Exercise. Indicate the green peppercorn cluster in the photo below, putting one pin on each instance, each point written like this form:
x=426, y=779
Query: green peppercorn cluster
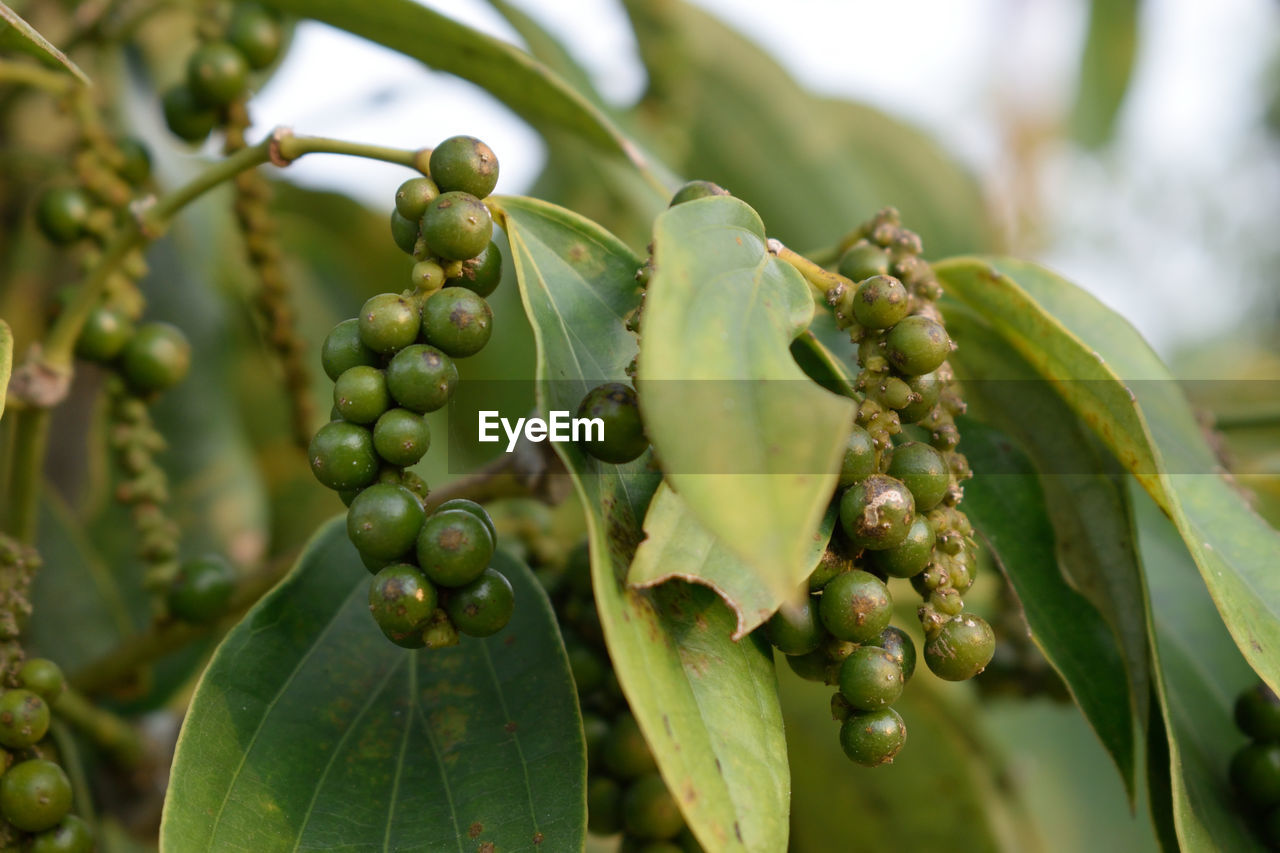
x=392, y=365
x=1255, y=767
x=218, y=72
x=898, y=503
x=625, y=793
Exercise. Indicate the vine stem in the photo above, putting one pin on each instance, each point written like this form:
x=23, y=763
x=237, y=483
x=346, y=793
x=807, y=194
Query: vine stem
x=26, y=74
x=104, y=728
x=44, y=378
x=822, y=281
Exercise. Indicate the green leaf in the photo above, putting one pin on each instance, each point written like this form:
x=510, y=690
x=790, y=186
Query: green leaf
x=17, y=34
x=1005, y=502
x=509, y=74
x=677, y=547
x=6, y=361
x=1199, y=675
x=1106, y=67
x=720, y=391
x=707, y=706
x=310, y=729
x=814, y=168
x=1118, y=386
x=821, y=364
x=548, y=50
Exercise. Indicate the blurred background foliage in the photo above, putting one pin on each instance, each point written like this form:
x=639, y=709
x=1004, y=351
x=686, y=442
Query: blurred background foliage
x=1000, y=772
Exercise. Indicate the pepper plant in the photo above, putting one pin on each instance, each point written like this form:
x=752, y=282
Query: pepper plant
x=793, y=453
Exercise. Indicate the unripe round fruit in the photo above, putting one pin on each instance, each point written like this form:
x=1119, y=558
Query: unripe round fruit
x=217, y=74
x=62, y=214
x=625, y=752
x=342, y=456
x=475, y=509
x=426, y=277
x=810, y=667
x=457, y=226
x=413, y=196
x=910, y=556
x=1255, y=774
x=342, y=350
x=1257, y=713
x=873, y=738
x=157, y=357
x=34, y=795
x=24, y=718
x=201, y=589
x=859, y=460
x=796, y=630
x=135, y=163
x=464, y=164
x=421, y=378
x=604, y=806
x=482, y=273
x=186, y=119
x=457, y=322
x=962, y=649
x=898, y=644
x=389, y=322
x=404, y=232
x=649, y=811
x=695, y=190
x=880, y=302
x=104, y=335
x=870, y=679
x=594, y=732
x=917, y=345
x=360, y=394
x=69, y=835
x=616, y=404
x=856, y=606
x=256, y=33
x=454, y=547
x=43, y=677
x=928, y=387
x=483, y=607
x=384, y=520
x=863, y=260
x=877, y=512
x=401, y=437
x=923, y=470
x=402, y=602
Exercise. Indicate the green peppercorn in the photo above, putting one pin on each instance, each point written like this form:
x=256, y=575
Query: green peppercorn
x=870, y=679
x=404, y=232
x=389, y=322
x=62, y=214
x=342, y=350
x=923, y=470
x=910, y=556
x=464, y=164
x=426, y=277
x=859, y=460
x=201, y=590
x=156, y=358
x=1255, y=774
x=961, y=649
x=454, y=547
x=42, y=677
x=863, y=260
x=384, y=520
x=34, y=795
x=898, y=644
x=401, y=437
x=360, y=394
x=855, y=606
x=457, y=226
x=873, y=738
x=402, y=602
x=217, y=74
x=877, y=512
x=622, y=437
x=484, y=606
x=626, y=754
x=695, y=190
x=604, y=806
x=413, y=196
x=421, y=378
x=256, y=33
x=104, y=335
x=135, y=162
x=24, y=718
x=917, y=345
x=796, y=630
x=478, y=511
x=457, y=322
x=880, y=302
x=480, y=274
x=342, y=456
x=649, y=811
x=187, y=119
x=1257, y=713
x=927, y=388
x=69, y=835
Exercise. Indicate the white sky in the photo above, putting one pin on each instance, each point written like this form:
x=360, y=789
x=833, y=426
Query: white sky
x=1188, y=194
